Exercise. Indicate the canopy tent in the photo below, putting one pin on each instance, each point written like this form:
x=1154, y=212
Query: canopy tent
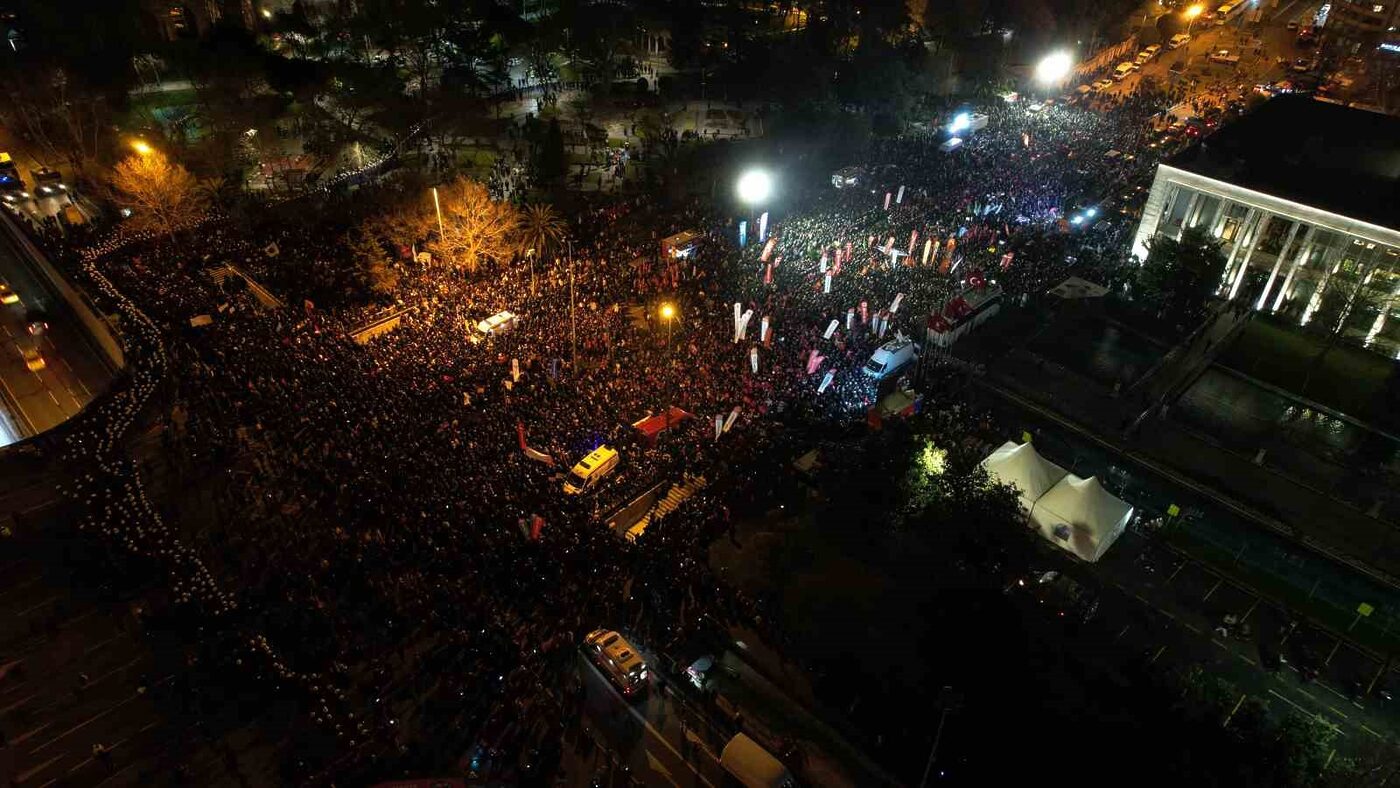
x=1021, y=467
x=1080, y=516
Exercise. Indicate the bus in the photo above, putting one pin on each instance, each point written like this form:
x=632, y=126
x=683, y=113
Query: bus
x=618, y=660
x=1230, y=10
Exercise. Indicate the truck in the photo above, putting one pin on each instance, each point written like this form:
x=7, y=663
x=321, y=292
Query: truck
x=754, y=767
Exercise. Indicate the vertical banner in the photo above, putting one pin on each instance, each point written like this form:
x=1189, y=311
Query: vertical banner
x=928, y=247
x=864, y=313
x=894, y=307
x=742, y=329
x=719, y=425
x=821, y=264
x=889, y=245
x=738, y=312
x=768, y=274
x=850, y=319
x=753, y=359
x=899, y=198
x=887, y=200
x=814, y=360
x=763, y=227
x=763, y=330
x=884, y=324
x=913, y=239
x=1006, y=260
x=826, y=380
x=729, y=420
x=520, y=433
x=515, y=370
x=826, y=283
x=743, y=234
x=831, y=329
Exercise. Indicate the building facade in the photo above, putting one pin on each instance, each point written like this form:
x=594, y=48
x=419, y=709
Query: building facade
x=1303, y=259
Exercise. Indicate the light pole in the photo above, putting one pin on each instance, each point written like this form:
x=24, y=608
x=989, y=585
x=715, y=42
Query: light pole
x=1054, y=68
x=530, y=255
x=442, y=235
x=668, y=312
x=1191, y=13
x=573, y=325
x=142, y=147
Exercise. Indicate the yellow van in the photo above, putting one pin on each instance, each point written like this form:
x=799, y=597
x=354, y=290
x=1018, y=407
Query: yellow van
x=591, y=469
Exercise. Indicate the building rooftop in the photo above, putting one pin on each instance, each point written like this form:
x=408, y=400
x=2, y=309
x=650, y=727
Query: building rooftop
x=1335, y=158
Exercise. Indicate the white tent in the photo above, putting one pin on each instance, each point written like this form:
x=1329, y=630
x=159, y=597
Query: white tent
x=1080, y=516
x=1021, y=467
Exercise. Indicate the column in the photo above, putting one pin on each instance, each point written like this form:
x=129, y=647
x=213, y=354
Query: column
x=1329, y=261
x=1253, y=244
x=1293, y=269
x=1217, y=222
x=1241, y=236
x=1190, y=209
x=1278, y=262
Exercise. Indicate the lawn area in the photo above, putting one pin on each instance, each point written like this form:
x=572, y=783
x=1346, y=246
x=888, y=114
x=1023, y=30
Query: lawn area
x=142, y=107
x=1349, y=379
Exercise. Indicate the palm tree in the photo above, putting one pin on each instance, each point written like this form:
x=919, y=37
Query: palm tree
x=541, y=230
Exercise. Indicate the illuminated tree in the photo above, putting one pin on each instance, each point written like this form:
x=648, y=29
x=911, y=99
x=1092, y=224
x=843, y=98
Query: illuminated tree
x=164, y=197
x=475, y=228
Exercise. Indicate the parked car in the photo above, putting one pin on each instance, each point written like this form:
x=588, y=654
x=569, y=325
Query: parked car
x=1225, y=57
x=1178, y=41
x=1103, y=84
x=8, y=295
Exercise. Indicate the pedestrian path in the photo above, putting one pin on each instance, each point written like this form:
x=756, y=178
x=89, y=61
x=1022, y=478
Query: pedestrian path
x=672, y=501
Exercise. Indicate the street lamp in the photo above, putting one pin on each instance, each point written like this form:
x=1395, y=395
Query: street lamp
x=1191, y=13
x=668, y=312
x=1053, y=68
x=755, y=186
x=142, y=147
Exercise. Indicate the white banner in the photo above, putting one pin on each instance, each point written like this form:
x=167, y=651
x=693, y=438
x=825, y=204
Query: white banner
x=851, y=319
x=899, y=198
x=831, y=329
x=763, y=329
x=515, y=370
x=887, y=201
x=821, y=264
x=894, y=307
x=928, y=247
x=753, y=358
x=738, y=310
x=826, y=284
x=741, y=329
x=763, y=226
x=826, y=381
x=729, y=422
x=719, y=425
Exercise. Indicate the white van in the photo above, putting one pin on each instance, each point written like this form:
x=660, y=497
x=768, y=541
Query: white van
x=1178, y=41
x=1124, y=69
x=754, y=767
x=591, y=470
x=498, y=323
x=889, y=358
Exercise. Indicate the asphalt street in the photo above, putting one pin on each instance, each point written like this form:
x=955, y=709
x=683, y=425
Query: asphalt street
x=73, y=371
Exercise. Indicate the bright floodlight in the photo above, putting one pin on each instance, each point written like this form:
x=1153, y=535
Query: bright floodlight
x=1053, y=68
x=961, y=122
x=755, y=186
x=1194, y=11
x=668, y=311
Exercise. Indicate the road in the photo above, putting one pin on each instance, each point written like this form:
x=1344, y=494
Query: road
x=35, y=401
x=1258, y=45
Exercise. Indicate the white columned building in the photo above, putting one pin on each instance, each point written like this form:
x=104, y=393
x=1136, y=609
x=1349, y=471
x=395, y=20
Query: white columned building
x=1305, y=198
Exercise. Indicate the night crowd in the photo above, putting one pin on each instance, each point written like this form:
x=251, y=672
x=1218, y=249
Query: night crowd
x=375, y=543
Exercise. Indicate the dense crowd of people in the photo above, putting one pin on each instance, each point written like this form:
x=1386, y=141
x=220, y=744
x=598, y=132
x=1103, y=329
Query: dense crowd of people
x=383, y=549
